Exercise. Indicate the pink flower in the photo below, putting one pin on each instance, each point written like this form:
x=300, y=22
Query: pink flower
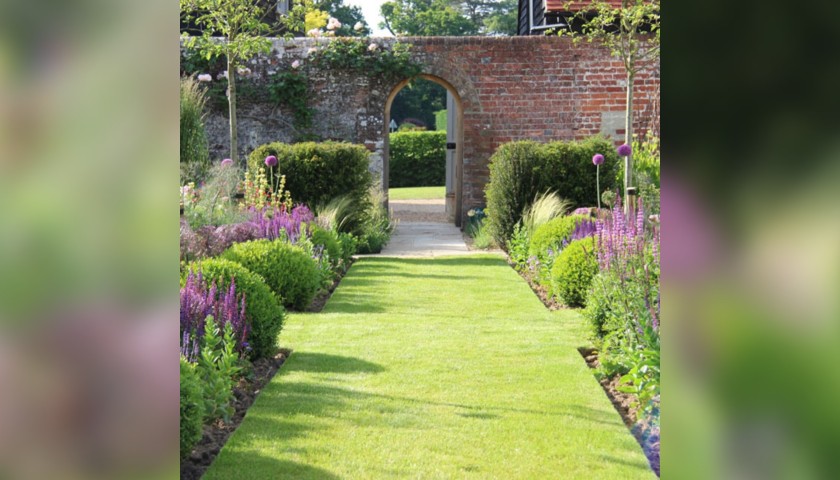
x=598, y=159
x=333, y=24
x=205, y=77
x=227, y=162
x=271, y=161
x=296, y=64
x=314, y=33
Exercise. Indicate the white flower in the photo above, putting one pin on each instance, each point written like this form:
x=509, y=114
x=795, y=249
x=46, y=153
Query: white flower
x=372, y=47
x=333, y=24
x=314, y=33
x=296, y=64
x=221, y=75
x=205, y=77
x=471, y=213
x=243, y=71
x=312, y=50
x=358, y=27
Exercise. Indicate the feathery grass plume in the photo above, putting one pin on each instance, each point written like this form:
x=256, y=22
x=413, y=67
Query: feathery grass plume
x=545, y=207
x=336, y=214
x=195, y=156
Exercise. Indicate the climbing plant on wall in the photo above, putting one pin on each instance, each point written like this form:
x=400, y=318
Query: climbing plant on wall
x=366, y=55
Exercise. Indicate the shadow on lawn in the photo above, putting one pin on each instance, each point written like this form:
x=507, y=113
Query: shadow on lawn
x=260, y=466
x=324, y=363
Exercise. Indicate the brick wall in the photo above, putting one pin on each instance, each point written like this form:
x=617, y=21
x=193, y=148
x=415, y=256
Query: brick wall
x=529, y=87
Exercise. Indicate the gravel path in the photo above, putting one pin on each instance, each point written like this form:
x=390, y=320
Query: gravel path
x=419, y=211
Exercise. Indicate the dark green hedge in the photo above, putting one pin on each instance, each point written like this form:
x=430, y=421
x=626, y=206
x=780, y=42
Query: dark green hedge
x=417, y=159
x=318, y=172
x=521, y=170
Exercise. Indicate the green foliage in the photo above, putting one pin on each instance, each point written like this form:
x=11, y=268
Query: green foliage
x=192, y=408
x=573, y=271
x=551, y=235
x=417, y=159
x=263, y=310
x=636, y=41
x=517, y=246
x=349, y=245
x=213, y=203
x=521, y=170
x=329, y=240
x=355, y=54
x=348, y=15
x=440, y=120
x=425, y=18
x=287, y=269
x=291, y=89
x=316, y=173
x=417, y=102
x=217, y=367
x=377, y=227
x=482, y=239
x=240, y=24
x=195, y=157
x=620, y=308
x=545, y=207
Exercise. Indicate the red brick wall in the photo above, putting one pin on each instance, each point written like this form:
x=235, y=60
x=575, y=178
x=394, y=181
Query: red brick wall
x=511, y=88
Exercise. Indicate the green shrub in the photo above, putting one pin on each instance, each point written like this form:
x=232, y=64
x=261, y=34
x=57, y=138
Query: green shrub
x=377, y=227
x=195, y=157
x=552, y=234
x=287, y=269
x=318, y=172
x=264, y=311
x=600, y=302
x=349, y=246
x=192, y=408
x=329, y=240
x=217, y=368
x=417, y=159
x=521, y=170
x=517, y=246
x=573, y=271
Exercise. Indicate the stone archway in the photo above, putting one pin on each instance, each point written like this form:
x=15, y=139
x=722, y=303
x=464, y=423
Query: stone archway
x=454, y=135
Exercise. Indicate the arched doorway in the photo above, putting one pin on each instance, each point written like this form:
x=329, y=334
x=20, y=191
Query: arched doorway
x=454, y=145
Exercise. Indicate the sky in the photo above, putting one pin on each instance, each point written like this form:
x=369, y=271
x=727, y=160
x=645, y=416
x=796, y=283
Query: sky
x=370, y=9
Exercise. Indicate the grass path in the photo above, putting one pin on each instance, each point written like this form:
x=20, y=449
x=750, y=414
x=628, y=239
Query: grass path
x=417, y=193
x=432, y=368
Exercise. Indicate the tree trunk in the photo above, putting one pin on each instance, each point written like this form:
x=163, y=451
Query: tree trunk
x=628, y=139
x=231, y=71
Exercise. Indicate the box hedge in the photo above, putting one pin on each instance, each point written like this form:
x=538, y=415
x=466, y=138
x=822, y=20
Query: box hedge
x=287, y=269
x=521, y=170
x=318, y=172
x=417, y=159
x=573, y=271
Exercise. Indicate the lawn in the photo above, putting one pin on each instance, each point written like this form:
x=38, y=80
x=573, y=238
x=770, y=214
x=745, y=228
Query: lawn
x=432, y=368
x=416, y=193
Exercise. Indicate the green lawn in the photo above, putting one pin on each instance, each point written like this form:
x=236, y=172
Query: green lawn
x=432, y=368
x=416, y=193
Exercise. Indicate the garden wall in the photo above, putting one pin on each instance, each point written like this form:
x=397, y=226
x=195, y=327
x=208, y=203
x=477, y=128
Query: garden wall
x=529, y=87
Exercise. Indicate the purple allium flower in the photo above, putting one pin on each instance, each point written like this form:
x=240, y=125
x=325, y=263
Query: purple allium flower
x=598, y=159
x=624, y=150
x=227, y=162
x=271, y=160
